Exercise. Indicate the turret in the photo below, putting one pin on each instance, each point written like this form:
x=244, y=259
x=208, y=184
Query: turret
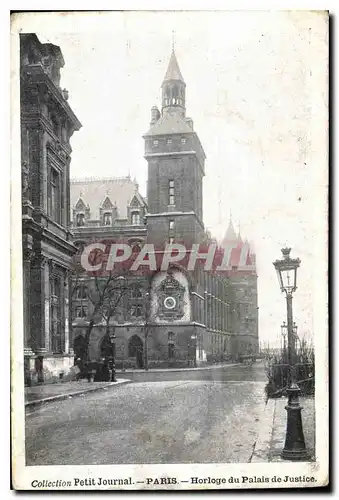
x=173, y=89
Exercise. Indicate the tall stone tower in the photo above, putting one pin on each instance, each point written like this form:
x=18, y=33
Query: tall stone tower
x=175, y=167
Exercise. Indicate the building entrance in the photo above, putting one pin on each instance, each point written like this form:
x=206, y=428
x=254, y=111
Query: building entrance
x=136, y=350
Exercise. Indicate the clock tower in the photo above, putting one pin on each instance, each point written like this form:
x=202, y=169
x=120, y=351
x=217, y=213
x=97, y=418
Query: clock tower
x=176, y=162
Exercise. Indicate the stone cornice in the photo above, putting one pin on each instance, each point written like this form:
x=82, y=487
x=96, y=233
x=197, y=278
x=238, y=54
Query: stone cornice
x=175, y=214
x=36, y=74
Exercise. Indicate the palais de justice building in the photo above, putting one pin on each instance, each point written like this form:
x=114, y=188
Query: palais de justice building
x=171, y=318
x=47, y=124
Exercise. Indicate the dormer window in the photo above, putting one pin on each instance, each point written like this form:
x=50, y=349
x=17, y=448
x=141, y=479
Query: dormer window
x=80, y=221
x=107, y=219
x=135, y=218
x=155, y=143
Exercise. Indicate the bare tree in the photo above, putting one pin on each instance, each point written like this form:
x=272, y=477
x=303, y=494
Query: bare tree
x=104, y=291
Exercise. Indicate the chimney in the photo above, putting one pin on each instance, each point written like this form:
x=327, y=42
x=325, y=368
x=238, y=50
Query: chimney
x=155, y=115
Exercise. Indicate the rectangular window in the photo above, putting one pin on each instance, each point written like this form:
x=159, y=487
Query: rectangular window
x=55, y=205
x=183, y=140
x=135, y=218
x=171, y=225
x=171, y=192
x=155, y=143
x=169, y=141
x=107, y=219
x=81, y=312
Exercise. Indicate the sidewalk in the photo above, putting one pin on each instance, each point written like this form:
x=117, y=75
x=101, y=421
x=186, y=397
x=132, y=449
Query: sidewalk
x=271, y=437
x=51, y=392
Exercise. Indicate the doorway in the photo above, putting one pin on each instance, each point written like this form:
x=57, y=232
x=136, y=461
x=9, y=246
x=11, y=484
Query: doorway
x=136, y=350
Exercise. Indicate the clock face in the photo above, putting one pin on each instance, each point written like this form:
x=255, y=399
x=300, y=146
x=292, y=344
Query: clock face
x=170, y=302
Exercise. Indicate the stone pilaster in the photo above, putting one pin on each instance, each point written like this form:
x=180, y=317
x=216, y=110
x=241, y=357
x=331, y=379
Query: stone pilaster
x=39, y=274
x=27, y=256
x=68, y=340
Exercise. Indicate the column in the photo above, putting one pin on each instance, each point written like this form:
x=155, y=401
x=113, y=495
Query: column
x=38, y=271
x=47, y=291
x=68, y=341
x=27, y=255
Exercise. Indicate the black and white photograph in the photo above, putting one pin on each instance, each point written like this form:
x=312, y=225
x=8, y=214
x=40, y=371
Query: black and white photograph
x=169, y=187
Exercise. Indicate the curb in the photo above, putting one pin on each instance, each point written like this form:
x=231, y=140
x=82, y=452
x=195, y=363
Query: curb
x=59, y=397
x=263, y=443
x=170, y=370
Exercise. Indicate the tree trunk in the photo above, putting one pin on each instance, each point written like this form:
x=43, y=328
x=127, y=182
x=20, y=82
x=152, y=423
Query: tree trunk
x=88, y=336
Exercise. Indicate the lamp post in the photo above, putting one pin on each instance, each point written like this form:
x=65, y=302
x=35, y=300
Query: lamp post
x=294, y=448
x=295, y=336
x=112, y=339
x=284, y=335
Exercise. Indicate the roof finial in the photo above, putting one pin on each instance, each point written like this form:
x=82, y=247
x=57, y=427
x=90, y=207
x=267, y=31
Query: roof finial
x=230, y=215
x=173, y=40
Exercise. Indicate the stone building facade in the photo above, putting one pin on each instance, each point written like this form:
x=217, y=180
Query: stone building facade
x=47, y=124
x=164, y=318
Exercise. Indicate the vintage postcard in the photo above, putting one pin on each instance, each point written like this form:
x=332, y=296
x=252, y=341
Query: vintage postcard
x=169, y=210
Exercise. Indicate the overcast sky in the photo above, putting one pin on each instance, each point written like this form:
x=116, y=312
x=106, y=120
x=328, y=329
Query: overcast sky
x=256, y=91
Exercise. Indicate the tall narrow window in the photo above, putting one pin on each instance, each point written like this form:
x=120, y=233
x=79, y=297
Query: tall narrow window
x=80, y=220
x=55, y=208
x=171, y=225
x=135, y=218
x=171, y=192
x=107, y=219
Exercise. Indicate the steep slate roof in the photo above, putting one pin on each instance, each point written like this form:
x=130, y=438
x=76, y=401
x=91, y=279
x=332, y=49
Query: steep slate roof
x=173, y=71
x=169, y=124
x=119, y=190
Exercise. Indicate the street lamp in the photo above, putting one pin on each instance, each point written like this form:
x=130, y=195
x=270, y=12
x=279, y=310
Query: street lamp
x=295, y=336
x=294, y=448
x=112, y=339
x=284, y=335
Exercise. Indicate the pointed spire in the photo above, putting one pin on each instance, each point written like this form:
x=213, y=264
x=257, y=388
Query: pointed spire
x=230, y=233
x=239, y=235
x=173, y=71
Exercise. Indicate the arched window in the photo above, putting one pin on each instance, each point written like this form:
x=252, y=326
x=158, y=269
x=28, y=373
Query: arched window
x=80, y=221
x=135, y=346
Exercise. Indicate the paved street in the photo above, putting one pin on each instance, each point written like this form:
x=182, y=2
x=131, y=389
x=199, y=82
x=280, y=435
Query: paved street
x=201, y=416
